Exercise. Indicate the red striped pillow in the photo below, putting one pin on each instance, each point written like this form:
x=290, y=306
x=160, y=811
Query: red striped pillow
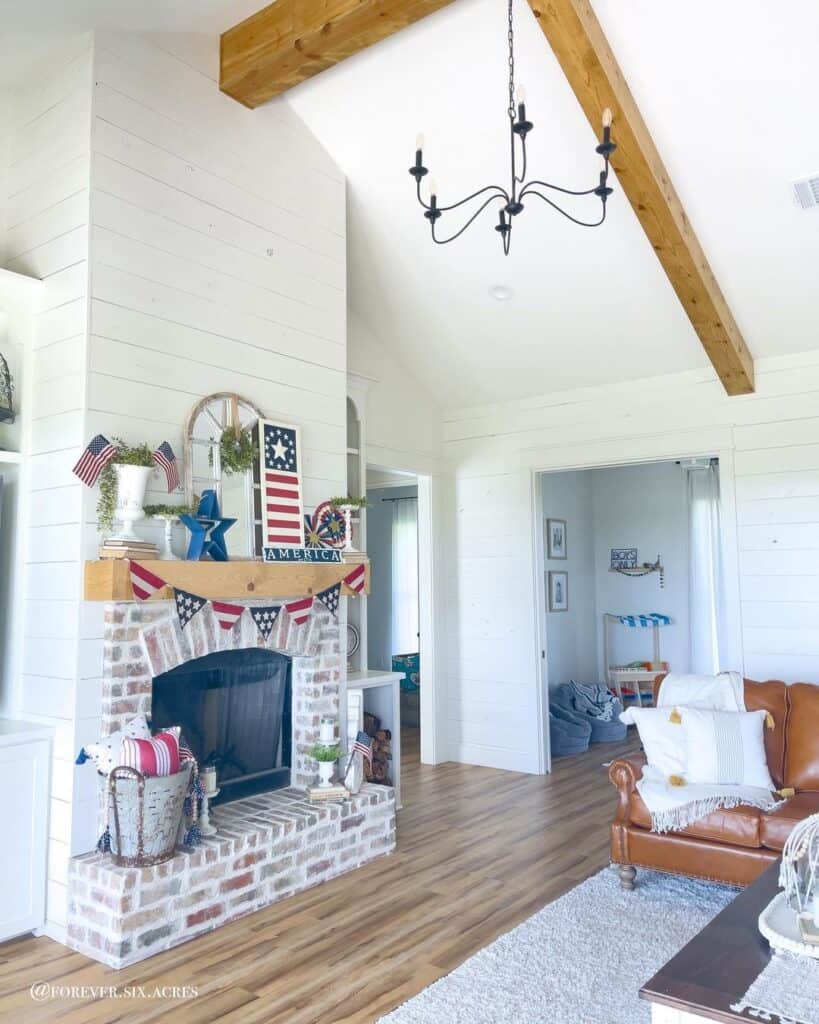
x=157, y=756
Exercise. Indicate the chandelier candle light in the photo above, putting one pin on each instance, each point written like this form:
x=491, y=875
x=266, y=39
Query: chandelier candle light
x=511, y=201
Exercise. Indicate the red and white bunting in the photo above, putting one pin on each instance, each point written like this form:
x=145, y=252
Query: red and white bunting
x=227, y=615
x=143, y=582
x=299, y=611
x=357, y=578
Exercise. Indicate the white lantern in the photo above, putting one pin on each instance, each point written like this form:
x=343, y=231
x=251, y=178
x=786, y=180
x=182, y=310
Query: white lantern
x=799, y=874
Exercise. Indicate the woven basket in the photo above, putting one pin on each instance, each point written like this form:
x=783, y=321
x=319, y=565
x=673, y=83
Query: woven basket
x=144, y=815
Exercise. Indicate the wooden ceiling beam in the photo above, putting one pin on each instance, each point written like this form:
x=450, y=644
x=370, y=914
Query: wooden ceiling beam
x=292, y=40
x=577, y=39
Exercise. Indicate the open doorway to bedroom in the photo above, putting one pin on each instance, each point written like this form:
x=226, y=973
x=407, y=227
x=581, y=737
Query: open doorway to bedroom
x=393, y=629
x=632, y=585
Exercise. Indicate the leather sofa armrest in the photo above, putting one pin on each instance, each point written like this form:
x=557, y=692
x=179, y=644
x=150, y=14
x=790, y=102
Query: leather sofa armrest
x=624, y=774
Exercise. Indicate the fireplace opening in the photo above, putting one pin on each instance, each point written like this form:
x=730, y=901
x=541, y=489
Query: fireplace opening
x=235, y=709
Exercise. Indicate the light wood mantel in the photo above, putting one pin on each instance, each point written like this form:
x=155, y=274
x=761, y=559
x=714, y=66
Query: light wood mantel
x=110, y=580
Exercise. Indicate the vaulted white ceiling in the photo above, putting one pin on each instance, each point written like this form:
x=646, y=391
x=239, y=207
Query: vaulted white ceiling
x=727, y=90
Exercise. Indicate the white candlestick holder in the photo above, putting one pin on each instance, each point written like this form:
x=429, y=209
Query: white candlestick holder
x=205, y=826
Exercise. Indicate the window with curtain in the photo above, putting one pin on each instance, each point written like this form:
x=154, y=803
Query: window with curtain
x=405, y=576
x=704, y=568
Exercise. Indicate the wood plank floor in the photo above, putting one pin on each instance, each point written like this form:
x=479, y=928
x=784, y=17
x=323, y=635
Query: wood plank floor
x=479, y=851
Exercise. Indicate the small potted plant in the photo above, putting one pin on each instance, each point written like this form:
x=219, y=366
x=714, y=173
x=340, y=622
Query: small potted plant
x=326, y=758
x=168, y=514
x=122, y=488
x=347, y=506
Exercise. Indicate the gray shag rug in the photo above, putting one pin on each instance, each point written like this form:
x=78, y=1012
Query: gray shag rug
x=580, y=960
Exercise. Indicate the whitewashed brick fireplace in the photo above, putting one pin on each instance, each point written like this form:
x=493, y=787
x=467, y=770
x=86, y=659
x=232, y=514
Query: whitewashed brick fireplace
x=268, y=846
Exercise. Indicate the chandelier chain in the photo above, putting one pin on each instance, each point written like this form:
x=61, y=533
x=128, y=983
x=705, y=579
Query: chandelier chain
x=511, y=37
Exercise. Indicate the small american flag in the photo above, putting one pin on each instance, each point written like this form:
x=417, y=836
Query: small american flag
x=282, y=504
x=165, y=459
x=363, y=745
x=94, y=459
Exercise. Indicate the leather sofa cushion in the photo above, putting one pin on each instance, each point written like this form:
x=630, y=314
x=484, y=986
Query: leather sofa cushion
x=777, y=826
x=802, y=756
x=739, y=826
x=771, y=696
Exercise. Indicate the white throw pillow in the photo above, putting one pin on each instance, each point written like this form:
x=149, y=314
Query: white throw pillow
x=726, y=748
x=663, y=740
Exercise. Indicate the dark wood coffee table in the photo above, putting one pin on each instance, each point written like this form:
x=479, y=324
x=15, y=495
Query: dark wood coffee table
x=717, y=966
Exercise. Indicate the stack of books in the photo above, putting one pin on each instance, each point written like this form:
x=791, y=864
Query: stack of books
x=137, y=549
x=318, y=794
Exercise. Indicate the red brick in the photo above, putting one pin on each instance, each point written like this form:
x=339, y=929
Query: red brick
x=206, y=914
x=248, y=859
x=239, y=882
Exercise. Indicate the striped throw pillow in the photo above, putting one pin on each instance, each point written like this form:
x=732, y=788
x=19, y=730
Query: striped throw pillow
x=726, y=748
x=157, y=756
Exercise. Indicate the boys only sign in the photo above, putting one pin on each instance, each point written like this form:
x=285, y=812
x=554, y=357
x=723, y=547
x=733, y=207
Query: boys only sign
x=280, y=477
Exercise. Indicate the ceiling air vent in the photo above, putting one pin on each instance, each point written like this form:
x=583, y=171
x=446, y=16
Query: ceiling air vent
x=806, y=192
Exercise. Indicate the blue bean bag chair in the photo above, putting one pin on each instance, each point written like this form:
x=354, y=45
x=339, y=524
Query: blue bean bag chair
x=569, y=734
x=611, y=731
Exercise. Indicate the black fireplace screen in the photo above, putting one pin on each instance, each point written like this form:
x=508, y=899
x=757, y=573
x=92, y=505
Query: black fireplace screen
x=235, y=711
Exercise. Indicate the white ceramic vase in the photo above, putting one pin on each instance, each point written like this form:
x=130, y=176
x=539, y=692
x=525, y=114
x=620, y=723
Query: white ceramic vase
x=326, y=773
x=132, y=482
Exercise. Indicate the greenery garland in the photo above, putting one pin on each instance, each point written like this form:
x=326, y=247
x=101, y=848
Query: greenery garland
x=236, y=454
x=127, y=455
x=353, y=502
x=167, y=510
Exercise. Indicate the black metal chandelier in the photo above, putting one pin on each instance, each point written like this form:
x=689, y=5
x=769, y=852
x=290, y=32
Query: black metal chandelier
x=512, y=199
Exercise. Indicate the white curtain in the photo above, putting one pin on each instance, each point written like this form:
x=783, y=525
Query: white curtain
x=405, y=576
x=705, y=570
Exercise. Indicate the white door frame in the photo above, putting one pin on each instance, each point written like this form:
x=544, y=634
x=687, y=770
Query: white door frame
x=432, y=716
x=731, y=643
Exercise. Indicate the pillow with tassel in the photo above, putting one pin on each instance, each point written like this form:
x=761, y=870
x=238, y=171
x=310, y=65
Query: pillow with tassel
x=726, y=748
x=662, y=738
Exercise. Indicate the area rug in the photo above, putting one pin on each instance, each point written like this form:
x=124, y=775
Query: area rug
x=580, y=960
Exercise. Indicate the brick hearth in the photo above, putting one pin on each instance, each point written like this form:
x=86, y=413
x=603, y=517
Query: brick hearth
x=268, y=846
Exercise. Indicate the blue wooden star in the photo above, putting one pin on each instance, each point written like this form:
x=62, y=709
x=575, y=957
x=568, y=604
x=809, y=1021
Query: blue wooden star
x=207, y=529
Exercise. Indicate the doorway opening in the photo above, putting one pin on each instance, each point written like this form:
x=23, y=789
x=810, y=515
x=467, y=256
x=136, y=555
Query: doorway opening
x=632, y=570
x=394, y=605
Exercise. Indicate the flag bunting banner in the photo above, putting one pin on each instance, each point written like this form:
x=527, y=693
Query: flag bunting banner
x=227, y=615
x=357, y=578
x=330, y=598
x=144, y=583
x=299, y=611
x=187, y=605
x=265, y=619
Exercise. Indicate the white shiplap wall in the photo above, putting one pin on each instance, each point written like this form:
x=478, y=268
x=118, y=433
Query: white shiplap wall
x=772, y=439
x=46, y=214
x=188, y=245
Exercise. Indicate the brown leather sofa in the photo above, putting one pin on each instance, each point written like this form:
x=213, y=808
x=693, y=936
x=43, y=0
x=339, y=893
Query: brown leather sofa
x=729, y=845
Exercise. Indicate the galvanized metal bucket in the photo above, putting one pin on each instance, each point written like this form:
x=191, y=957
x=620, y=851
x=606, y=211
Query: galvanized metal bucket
x=144, y=815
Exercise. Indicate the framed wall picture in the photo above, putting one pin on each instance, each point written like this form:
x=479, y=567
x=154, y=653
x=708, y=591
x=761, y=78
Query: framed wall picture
x=558, y=588
x=556, y=538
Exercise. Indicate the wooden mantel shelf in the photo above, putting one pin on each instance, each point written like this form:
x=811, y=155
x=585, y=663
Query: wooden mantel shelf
x=110, y=580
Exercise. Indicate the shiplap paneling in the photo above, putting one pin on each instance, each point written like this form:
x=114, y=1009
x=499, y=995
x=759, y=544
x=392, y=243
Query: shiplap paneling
x=47, y=221
x=773, y=437
x=179, y=258
x=209, y=271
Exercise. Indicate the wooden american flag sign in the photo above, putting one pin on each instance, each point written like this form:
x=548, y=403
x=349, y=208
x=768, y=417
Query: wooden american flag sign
x=280, y=478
